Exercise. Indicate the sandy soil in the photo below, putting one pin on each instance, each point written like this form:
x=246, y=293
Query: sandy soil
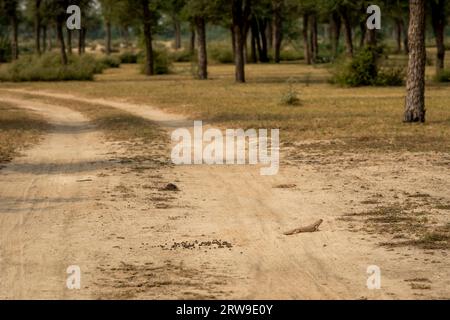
x=69, y=201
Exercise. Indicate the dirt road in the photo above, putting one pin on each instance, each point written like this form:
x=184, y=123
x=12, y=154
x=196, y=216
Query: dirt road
x=69, y=202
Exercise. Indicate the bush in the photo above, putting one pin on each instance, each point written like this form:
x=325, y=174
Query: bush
x=110, y=61
x=363, y=70
x=128, y=57
x=390, y=77
x=443, y=76
x=5, y=49
x=221, y=53
x=49, y=67
x=290, y=97
x=181, y=56
x=291, y=55
x=360, y=71
x=162, y=63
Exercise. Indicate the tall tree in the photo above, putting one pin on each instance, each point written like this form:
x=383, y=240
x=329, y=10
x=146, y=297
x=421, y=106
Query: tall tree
x=108, y=8
x=37, y=25
x=278, y=6
x=240, y=13
x=174, y=8
x=199, y=13
x=148, y=36
x=11, y=10
x=415, y=87
x=60, y=8
x=438, y=18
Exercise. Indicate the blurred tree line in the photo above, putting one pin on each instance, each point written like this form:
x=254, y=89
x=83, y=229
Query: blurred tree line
x=257, y=28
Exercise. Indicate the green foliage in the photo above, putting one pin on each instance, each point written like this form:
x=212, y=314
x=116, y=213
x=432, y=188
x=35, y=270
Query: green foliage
x=110, y=61
x=128, y=57
x=291, y=55
x=49, y=67
x=161, y=61
x=359, y=71
x=181, y=56
x=442, y=76
x=363, y=70
x=5, y=49
x=390, y=77
x=290, y=97
x=221, y=53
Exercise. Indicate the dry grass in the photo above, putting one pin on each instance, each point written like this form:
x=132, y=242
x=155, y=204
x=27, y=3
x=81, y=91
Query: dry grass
x=18, y=129
x=360, y=118
x=145, y=143
x=414, y=222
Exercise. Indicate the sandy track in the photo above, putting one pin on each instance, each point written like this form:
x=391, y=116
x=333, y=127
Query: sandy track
x=40, y=193
x=233, y=204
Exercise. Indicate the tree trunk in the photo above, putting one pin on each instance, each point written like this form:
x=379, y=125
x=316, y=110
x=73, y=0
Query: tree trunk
x=149, y=65
x=108, y=37
x=314, y=39
x=240, y=14
x=177, y=30
x=44, y=38
x=37, y=26
x=60, y=36
x=306, y=44
x=405, y=37
x=246, y=33
x=254, y=40
x=49, y=39
x=348, y=33
x=398, y=34
x=363, y=30
x=372, y=38
x=278, y=29
x=84, y=39
x=336, y=32
x=415, y=86
x=69, y=41
x=80, y=41
x=438, y=21
x=126, y=36
x=192, y=42
x=202, y=54
x=239, y=55
x=14, y=37
x=269, y=34
x=262, y=43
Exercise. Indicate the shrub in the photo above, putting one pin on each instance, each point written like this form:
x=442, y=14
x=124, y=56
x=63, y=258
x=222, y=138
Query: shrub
x=5, y=49
x=291, y=55
x=221, y=53
x=49, y=67
x=360, y=71
x=181, y=56
x=290, y=97
x=128, y=57
x=162, y=63
x=390, y=77
x=110, y=61
x=443, y=76
x=363, y=70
